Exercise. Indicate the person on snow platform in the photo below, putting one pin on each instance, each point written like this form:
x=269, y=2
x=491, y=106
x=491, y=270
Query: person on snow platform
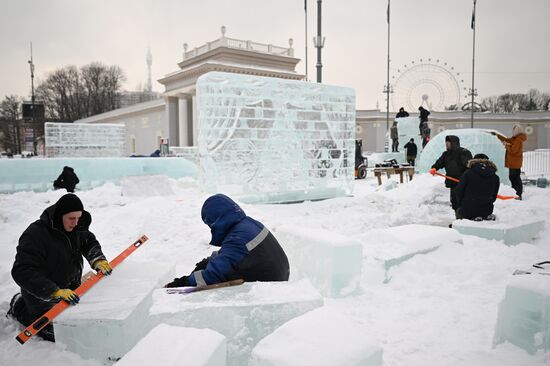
x=48, y=263
x=478, y=189
x=67, y=179
x=248, y=249
x=394, y=134
x=423, y=117
x=402, y=113
x=455, y=161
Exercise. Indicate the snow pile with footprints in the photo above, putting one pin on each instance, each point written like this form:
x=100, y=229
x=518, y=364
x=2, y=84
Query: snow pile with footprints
x=421, y=293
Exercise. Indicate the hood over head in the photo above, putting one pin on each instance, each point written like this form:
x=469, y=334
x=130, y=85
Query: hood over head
x=220, y=213
x=454, y=140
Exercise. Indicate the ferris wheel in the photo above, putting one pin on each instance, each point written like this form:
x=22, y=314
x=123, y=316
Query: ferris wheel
x=430, y=83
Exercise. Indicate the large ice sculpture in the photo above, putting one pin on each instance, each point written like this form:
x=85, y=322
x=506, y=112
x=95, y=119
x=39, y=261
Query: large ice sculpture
x=395, y=245
x=243, y=314
x=167, y=345
x=113, y=316
x=332, y=262
x=85, y=140
x=509, y=229
x=322, y=337
x=275, y=140
x=407, y=128
x=474, y=139
x=524, y=314
x=38, y=174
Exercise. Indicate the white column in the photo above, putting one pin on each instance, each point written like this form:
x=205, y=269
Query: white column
x=195, y=127
x=172, y=114
x=183, y=105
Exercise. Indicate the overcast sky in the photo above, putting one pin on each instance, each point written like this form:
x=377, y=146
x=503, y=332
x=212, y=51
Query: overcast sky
x=512, y=53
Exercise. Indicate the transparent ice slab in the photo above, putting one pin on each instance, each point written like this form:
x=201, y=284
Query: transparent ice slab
x=474, y=139
x=85, y=140
x=274, y=140
x=524, y=313
x=322, y=337
x=113, y=316
x=510, y=230
x=395, y=245
x=38, y=174
x=168, y=345
x=243, y=314
x=332, y=262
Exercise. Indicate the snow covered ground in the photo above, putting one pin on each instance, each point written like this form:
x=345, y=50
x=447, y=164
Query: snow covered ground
x=438, y=309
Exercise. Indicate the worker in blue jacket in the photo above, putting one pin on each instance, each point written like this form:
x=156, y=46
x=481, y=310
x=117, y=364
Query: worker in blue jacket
x=248, y=249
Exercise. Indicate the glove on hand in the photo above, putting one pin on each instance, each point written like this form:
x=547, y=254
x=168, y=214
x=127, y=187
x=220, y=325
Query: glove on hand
x=103, y=266
x=432, y=171
x=201, y=265
x=178, y=282
x=66, y=294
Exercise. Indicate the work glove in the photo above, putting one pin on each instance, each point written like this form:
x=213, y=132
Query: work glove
x=102, y=266
x=66, y=294
x=178, y=282
x=493, y=133
x=432, y=171
x=201, y=265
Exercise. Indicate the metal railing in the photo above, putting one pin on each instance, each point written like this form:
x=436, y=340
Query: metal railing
x=536, y=162
x=239, y=44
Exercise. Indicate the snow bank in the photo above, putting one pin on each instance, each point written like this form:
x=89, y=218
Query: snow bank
x=173, y=346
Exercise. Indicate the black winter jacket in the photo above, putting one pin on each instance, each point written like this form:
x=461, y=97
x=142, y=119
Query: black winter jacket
x=477, y=190
x=48, y=260
x=455, y=160
x=412, y=149
x=67, y=179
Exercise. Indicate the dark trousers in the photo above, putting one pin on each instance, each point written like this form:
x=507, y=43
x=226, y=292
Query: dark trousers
x=28, y=308
x=515, y=179
x=454, y=203
x=394, y=145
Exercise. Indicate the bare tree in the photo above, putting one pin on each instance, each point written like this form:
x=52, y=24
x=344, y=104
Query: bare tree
x=70, y=94
x=9, y=123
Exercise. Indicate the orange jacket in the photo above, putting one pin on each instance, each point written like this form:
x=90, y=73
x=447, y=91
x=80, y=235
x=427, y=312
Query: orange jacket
x=514, y=150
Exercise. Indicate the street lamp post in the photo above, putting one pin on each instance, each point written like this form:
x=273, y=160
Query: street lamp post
x=319, y=42
x=473, y=91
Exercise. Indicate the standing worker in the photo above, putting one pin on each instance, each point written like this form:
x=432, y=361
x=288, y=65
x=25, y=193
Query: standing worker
x=514, y=156
x=394, y=134
x=412, y=150
x=455, y=161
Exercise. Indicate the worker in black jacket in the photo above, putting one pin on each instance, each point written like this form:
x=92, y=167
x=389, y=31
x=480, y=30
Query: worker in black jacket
x=455, y=161
x=478, y=189
x=67, y=179
x=48, y=263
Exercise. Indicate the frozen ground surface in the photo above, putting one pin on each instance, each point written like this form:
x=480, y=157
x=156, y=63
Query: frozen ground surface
x=438, y=309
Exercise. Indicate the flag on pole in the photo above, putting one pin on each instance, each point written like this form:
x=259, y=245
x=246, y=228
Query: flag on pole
x=388, y=13
x=473, y=25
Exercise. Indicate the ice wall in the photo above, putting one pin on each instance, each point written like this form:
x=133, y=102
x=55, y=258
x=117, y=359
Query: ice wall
x=38, y=174
x=474, y=139
x=85, y=140
x=274, y=140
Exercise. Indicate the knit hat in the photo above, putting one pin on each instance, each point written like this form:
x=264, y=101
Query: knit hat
x=67, y=203
x=517, y=129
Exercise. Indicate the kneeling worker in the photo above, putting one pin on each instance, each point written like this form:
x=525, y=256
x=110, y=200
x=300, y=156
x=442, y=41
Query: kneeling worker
x=478, y=189
x=248, y=249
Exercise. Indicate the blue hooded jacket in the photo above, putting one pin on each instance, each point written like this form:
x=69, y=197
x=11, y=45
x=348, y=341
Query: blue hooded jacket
x=248, y=249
